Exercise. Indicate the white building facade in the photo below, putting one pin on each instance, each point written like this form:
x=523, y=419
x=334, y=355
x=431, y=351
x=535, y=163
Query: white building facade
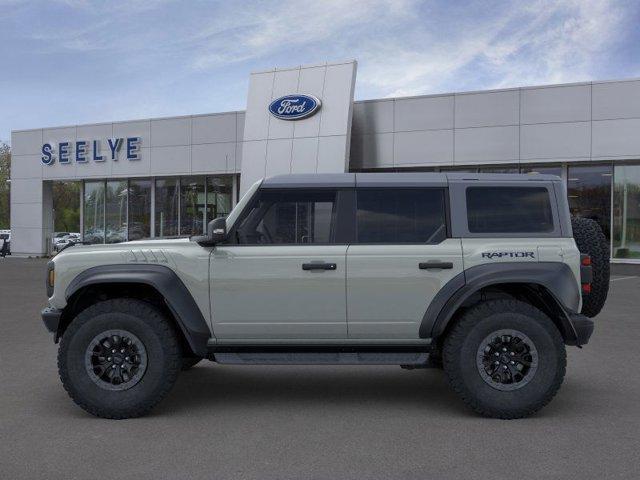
x=168, y=177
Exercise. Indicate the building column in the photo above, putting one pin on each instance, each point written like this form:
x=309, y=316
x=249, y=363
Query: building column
x=47, y=216
x=31, y=216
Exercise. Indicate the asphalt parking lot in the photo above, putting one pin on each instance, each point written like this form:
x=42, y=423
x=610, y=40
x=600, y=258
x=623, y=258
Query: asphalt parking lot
x=319, y=422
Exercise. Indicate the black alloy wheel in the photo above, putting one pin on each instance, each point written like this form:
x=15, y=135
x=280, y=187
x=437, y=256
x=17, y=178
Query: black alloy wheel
x=116, y=360
x=507, y=359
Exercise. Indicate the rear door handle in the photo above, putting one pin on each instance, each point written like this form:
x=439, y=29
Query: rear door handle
x=319, y=266
x=438, y=265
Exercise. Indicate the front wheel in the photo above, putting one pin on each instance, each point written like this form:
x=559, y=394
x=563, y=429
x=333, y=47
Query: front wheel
x=119, y=358
x=505, y=358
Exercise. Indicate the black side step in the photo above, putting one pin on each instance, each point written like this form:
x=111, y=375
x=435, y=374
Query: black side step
x=215, y=348
x=411, y=359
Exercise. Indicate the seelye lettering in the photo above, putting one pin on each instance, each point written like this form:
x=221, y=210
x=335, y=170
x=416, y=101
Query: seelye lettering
x=82, y=150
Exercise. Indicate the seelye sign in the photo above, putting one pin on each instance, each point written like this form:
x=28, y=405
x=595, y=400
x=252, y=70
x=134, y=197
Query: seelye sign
x=82, y=151
x=294, y=107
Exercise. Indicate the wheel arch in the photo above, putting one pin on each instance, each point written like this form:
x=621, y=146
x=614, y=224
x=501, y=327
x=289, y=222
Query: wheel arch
x=549, y=286
x=155, y=284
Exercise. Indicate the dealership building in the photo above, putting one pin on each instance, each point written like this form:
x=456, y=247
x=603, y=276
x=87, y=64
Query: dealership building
x=167, y=177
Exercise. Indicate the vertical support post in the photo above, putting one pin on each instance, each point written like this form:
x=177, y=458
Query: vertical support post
x=153, y=208
x=206, y=205
x=47, y=217
x=235, y=190
x=82, y=210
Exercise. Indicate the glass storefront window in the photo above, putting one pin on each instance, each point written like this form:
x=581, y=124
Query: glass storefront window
x=459, y=169
x=626, y=211
x=116, y=211
x=192, y=206
x=589, y=189
x=121, y=210
x=542, y=169
x=500, y=169
x=219, y=193
x=167, y=197
x=139, y=223
x=66, y=206
x=93, y=212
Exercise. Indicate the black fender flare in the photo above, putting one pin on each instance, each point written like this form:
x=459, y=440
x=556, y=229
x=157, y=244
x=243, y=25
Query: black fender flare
x=176, y=296
x=557, y=278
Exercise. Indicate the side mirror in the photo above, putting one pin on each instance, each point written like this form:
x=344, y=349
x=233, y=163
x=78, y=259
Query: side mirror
x=216, y=233
x=217, y=230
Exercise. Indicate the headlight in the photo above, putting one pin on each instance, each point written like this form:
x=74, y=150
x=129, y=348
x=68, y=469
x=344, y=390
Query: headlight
x=51, y=278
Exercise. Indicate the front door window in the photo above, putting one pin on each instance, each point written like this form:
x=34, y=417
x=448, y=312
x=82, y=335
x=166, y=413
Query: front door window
x=289, y=218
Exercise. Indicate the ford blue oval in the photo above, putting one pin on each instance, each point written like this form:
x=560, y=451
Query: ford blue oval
x=294, y=107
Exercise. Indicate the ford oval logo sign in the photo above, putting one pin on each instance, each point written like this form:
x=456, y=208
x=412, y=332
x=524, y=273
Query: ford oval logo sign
x=294, y=107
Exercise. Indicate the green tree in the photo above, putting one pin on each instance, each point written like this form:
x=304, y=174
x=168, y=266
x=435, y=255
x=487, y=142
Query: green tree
x=66, y=205
x=5, y=169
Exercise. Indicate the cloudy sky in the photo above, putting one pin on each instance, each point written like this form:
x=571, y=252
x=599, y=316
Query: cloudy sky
x=76, y=61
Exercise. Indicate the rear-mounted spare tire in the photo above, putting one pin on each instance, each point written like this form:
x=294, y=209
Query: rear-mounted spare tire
x=590, y=240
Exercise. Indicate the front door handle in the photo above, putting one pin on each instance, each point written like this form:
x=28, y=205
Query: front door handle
x=438, y=265
x=319, y=266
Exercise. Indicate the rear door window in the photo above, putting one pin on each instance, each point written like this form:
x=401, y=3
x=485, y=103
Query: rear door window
x=509, y=210
x=392, y=215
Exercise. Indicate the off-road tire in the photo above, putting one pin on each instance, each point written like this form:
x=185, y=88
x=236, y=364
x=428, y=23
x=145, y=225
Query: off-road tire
x=148, y=324
x=189, y=362
x=461, y=349
x=590, y=240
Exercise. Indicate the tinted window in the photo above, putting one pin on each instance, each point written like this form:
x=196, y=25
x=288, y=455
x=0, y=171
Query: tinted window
x=509, y=210
x=589, y=190
x=289, y=217
x=388, y=215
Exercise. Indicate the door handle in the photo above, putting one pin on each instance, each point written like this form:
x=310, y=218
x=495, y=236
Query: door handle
x=438, y=265
x=319, y=266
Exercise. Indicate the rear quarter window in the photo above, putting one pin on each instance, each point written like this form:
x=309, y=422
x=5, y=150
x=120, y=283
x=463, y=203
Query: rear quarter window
x=509, y=210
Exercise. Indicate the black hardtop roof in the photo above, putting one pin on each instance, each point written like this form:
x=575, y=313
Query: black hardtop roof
x=391, y=179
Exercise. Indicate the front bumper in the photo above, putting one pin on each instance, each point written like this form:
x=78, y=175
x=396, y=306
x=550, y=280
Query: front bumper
x=51, y=318
x=582, y=326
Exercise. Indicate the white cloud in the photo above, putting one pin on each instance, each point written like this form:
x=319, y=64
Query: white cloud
x=404, y=47
x=548, y=42
x=259, y=30
x=143, y=58
x=409, y=47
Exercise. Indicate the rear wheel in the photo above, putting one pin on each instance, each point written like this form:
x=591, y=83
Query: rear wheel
x=119, y=358
x=590, y=240
x=505, y=358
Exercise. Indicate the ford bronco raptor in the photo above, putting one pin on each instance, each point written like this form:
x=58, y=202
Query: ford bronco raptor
x=482, y=275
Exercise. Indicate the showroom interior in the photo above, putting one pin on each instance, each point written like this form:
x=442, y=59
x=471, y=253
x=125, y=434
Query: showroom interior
x=192, y=169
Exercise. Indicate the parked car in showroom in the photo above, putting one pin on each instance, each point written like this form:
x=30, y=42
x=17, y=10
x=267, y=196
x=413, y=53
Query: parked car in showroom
x=56, y=237
x=63, y=241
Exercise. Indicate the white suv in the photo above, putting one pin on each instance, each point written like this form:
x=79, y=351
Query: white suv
x=480, y=274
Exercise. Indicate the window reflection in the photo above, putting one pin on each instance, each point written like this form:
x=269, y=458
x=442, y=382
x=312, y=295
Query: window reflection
x=192, y=206
x=139, y=223
x=500, y=169
x=589, y=189
x=167, y=197
x=542, y=169
x=626, y=211
x=93, y=228
x=219, y=196
x=121, y=210
x=116, y=211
